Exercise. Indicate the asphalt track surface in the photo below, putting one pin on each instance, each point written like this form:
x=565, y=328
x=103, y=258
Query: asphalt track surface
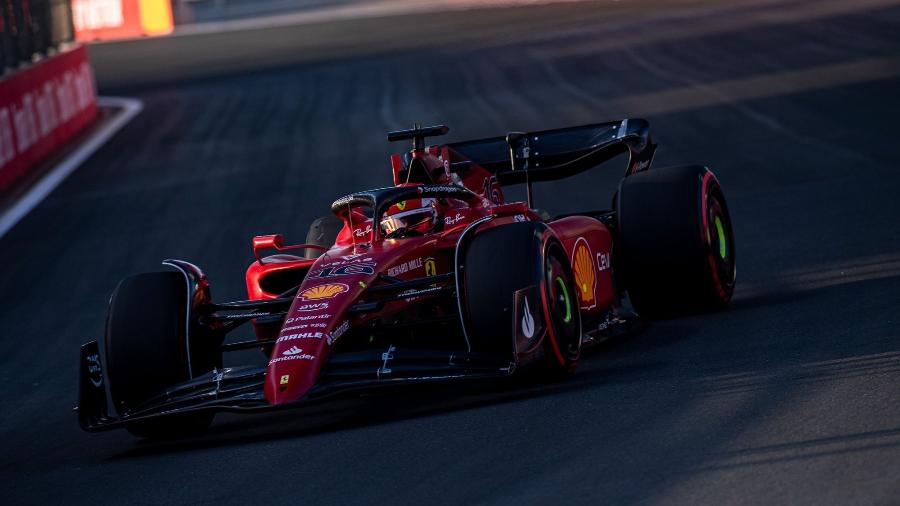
x=789, y=397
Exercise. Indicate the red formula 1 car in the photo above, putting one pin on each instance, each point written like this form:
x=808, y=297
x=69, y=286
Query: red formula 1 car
x=433, y=279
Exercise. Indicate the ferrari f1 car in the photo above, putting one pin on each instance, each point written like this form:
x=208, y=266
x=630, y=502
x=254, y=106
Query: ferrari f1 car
x=433, y=279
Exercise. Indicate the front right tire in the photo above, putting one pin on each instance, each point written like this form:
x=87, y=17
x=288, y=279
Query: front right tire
x=147, y=350
x=517, y=279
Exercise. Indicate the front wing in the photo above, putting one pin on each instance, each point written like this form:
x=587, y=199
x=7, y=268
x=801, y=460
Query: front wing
x=240, y=389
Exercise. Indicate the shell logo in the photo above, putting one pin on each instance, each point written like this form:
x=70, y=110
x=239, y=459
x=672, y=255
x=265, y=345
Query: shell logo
x=323, y=291
x=585, y=277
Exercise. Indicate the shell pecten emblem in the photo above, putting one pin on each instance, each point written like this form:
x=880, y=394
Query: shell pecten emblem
x=585, y=277
x=323, y=291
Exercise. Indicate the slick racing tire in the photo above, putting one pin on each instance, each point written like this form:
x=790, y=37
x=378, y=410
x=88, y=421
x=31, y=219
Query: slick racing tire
x=147, y=350
x=520, y=298
x=676, y=243
x=323, y=232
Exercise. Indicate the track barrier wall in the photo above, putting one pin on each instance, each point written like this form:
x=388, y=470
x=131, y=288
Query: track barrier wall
x=42, y=107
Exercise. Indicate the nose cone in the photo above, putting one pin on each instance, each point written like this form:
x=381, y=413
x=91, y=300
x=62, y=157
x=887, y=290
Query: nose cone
x=295, y=364
x=316, y=318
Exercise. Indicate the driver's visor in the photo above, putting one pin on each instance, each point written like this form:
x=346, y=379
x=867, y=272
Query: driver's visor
x=409, y=220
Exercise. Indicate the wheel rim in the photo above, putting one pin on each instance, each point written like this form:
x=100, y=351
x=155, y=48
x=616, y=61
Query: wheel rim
x=564, y=317
x=563, y=299
x=720, y=235
x=721, y=243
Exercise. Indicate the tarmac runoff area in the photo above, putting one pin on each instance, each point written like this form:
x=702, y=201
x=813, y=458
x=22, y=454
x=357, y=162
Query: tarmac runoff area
x=115, y=113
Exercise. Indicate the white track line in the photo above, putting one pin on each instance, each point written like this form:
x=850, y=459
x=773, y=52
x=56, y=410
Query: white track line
x=130, y=108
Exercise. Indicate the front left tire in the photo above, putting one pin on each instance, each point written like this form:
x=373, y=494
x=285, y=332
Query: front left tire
x=323, y=231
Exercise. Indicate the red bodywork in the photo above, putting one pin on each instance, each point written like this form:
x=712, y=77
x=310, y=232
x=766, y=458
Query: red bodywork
x=335, y=281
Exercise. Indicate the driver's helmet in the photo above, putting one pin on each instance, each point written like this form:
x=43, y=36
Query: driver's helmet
x=413, y=216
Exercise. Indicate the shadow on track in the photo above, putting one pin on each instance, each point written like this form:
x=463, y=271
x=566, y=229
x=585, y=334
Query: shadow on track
x=391, y=406
x=804, y=450
x=618, y=364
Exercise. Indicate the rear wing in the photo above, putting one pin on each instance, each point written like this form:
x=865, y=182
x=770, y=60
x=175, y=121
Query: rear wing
x=556, y=154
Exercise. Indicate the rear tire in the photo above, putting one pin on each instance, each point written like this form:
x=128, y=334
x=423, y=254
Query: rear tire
x=147, y=349
x=323, y=232
x=502, y=261
x=676, y=244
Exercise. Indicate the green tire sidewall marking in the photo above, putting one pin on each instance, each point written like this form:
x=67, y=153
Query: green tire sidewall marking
x=720, y=230
x=565, y=292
